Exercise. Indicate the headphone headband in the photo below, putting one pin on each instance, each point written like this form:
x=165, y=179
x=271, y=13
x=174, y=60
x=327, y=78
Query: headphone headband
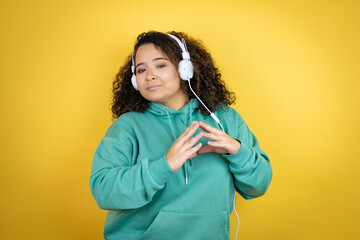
x=185, y=53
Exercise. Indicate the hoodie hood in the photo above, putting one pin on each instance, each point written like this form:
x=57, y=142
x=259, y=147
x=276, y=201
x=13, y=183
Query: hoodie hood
x=159, y=109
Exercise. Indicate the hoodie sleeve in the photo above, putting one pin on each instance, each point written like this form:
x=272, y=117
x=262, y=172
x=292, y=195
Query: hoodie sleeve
x=250, y=165
x=118, y=179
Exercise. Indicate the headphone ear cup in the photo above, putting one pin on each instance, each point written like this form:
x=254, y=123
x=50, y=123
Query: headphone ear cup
x=133, y=81
x=186, y=70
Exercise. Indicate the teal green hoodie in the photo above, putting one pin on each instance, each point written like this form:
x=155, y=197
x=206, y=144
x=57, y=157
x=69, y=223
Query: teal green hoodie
x=131, y=178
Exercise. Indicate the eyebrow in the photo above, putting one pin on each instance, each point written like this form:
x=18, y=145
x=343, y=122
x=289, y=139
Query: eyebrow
x=155, y=59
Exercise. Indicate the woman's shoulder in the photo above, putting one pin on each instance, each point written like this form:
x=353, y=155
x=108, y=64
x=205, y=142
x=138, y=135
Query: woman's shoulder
x=122, y=124
x=225, y=111
x=127, y=118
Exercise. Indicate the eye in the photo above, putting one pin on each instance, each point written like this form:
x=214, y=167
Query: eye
x=160, y=65
x=140, y=70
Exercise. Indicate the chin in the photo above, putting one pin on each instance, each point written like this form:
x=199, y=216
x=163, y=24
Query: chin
x=153, y=99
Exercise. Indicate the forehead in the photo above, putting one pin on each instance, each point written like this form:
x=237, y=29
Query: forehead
x=148, y=52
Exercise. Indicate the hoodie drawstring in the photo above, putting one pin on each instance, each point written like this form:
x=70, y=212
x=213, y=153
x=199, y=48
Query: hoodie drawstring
x=172, y=131
x=191, y=120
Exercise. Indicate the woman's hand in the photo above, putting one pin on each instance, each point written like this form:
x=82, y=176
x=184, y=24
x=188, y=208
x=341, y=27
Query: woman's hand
x=183, y=148
x=222, y=143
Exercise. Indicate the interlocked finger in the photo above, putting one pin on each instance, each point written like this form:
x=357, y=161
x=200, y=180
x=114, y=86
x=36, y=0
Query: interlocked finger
x=192, y=151
x=209, y=129
x=188, y=133
x=216, y=144
x=213, y=136
x=193, y=140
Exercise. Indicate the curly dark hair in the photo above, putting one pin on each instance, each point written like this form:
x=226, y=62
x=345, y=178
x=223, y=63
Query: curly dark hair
x=206, y=83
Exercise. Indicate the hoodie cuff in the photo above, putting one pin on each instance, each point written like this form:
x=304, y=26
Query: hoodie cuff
x=160, y=170
x=236, y=159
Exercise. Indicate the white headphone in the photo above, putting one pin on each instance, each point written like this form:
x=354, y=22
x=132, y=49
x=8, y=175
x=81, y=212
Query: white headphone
x=186, y=69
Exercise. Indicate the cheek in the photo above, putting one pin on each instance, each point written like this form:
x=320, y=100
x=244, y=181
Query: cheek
x=140, y=81
x=141, y=86
x=174, y=77
x=175, y=74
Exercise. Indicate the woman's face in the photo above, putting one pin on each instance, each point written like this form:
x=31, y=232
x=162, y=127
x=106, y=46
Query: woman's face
x=157, y=77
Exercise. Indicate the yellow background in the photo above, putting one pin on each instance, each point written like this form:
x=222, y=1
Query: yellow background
x=294, y=66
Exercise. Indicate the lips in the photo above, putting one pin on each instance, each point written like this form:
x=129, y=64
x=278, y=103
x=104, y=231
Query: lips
x=153, y=88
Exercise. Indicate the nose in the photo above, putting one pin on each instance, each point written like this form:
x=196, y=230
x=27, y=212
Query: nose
x=150, y=74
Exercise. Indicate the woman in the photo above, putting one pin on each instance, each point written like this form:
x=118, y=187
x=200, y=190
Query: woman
x=164, y=169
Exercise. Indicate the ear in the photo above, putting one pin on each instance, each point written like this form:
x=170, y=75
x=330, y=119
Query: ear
x=133, y=81
x=186, y=70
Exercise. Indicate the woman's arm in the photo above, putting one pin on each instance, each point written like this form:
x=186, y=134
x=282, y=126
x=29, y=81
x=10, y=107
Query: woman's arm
x=250, y=165
x=247, y=162
x=121, y=181
x=117, y=184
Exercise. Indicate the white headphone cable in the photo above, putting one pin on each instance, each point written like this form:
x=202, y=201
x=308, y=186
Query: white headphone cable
x=237, y=216
x=211, y=113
